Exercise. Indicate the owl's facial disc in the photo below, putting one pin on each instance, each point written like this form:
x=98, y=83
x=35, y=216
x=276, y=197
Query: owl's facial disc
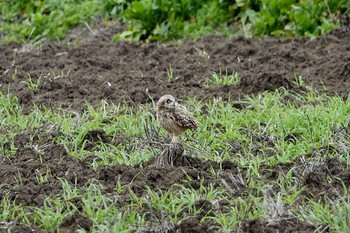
x=167, y=102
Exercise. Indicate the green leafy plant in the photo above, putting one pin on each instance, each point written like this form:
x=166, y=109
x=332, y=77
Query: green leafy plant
x=298, y=18
x=29, y=20
x=164, y=20
x=150, y=20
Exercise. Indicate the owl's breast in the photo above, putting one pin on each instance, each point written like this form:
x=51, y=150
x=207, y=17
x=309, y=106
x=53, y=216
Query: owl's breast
x=165, y=120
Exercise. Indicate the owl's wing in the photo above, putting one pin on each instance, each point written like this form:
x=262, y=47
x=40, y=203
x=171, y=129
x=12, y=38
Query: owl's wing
x=183, y=118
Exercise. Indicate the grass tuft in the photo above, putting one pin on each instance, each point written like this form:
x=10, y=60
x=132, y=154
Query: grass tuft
x=220, y=79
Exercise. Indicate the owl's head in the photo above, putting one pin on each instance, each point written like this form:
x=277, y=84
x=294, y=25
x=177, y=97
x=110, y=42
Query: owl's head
x=166, y=102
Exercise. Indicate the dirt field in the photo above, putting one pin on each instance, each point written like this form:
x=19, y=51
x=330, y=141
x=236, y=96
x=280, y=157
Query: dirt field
x=137, y=73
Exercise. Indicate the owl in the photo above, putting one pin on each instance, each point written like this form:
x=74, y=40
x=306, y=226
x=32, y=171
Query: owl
x=173, y=117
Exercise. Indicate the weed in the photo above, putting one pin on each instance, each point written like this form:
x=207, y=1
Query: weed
x=50, y=215
x=42, y=178
x=170, y=73
x=31, y=84
x=299, y=81
x=219, y=79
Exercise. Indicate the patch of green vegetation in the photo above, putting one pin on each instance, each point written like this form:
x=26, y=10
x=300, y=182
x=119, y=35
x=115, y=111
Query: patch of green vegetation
x=29, y=20
x=260, y=130
x=298, y=18
x=164, y=20
x=170, y=74
x=31, y=84
x=220, y=79
x=101, y=210
x=334, y=214
x=299, y=81
x=268, y=114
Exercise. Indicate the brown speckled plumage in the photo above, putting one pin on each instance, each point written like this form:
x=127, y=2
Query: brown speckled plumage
x=173, y=117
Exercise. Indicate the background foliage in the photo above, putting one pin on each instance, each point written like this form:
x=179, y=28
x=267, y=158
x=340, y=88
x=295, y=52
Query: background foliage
x=25, y=20
x=172, y=19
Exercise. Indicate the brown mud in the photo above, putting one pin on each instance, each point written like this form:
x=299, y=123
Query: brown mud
x=67, y=75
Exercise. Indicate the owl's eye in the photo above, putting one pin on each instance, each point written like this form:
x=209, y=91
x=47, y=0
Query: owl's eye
x=168, y=101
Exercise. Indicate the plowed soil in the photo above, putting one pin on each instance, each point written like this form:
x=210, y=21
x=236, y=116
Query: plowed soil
x=68, y=75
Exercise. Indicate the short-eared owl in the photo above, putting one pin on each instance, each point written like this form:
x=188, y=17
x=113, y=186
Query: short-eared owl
x=173, y=117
